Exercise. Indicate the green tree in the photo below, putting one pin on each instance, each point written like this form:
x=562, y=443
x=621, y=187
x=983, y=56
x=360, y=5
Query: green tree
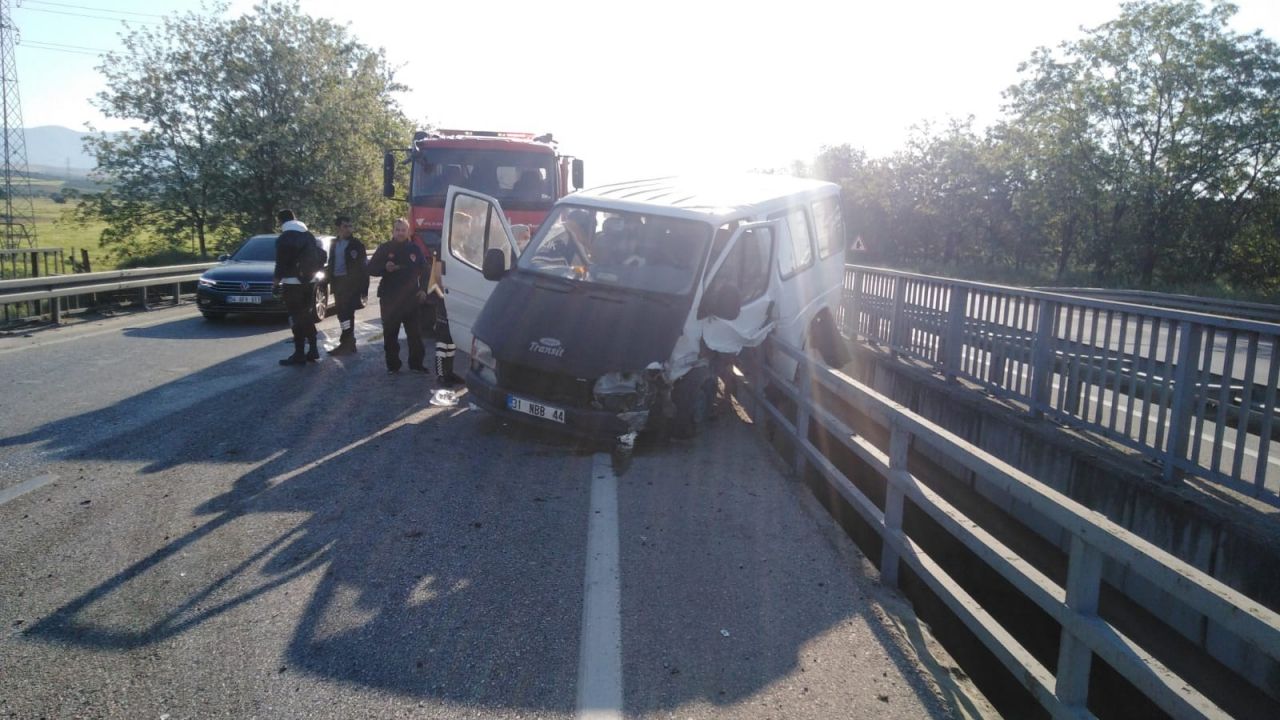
x=238, y=118
x=1179, y=117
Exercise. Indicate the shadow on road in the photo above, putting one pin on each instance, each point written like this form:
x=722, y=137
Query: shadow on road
x=196, y=327
x=440, y=553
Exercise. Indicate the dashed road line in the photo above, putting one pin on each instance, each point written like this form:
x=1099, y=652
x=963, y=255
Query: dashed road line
x=600, y=656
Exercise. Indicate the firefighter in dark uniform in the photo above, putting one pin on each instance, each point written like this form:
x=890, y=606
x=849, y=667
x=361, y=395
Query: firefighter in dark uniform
x=400, y=264
x=349, y=277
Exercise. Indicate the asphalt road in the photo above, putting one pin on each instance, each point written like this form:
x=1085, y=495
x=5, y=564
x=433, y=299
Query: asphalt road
x=192, y=531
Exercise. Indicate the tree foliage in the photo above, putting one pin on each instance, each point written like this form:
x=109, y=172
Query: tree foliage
x=1147, y=151
x=238, y=117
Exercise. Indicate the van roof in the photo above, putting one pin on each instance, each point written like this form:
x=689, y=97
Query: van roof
x=702, y=197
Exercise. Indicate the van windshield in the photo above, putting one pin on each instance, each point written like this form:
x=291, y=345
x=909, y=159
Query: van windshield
x=624, y=249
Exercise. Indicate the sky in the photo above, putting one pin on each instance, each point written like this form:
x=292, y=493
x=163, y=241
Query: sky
x=640, y=89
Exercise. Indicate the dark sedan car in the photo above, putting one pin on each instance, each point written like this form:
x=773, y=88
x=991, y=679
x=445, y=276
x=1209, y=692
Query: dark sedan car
x=242, y=282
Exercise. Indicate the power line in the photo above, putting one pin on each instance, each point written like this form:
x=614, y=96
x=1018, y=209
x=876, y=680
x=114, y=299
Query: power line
x=40, y=46
x=62, y=45
x=93, y=9
x=91, y=17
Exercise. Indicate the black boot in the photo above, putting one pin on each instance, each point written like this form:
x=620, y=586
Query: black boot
x=298, y=357
x=445, y=377
x=346, y=345
x=313, y=354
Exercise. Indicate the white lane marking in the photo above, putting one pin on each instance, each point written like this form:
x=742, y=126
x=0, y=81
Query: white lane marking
x=600, y=656
x=96, y=333
x=22, y=488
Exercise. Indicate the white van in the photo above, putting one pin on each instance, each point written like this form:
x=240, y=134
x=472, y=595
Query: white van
x=612, y=317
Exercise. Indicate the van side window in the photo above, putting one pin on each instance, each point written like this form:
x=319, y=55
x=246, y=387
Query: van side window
x=795, y=250
x=475, y=228
x=828, y=226
x=747, y=266
x=754, y=248
x=721, y=239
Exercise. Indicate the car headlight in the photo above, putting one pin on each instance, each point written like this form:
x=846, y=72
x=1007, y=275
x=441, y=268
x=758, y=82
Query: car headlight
x=483, y=364
x=482, y=355
x=207, y=283
x=621, y=392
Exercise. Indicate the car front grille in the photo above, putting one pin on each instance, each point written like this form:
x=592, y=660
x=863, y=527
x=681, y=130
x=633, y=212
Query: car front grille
x=541, y=385
x=233, y=286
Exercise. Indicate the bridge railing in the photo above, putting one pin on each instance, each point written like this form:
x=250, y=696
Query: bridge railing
x=809, y=411
x=52, y=288
x=1192, y=391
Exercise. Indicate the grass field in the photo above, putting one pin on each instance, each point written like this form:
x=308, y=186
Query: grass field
x=55, y=228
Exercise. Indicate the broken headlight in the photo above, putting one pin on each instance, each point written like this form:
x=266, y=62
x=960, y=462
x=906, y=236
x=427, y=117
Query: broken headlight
x=621, y=392
x=482, y=361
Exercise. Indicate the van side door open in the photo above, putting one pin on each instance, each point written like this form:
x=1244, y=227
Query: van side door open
x=739, y=280
x=473, y=224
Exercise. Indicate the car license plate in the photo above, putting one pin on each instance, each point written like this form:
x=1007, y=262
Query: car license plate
x=250, y=299
x=538, y=410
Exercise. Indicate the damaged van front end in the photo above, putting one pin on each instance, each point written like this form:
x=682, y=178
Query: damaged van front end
x=596, y=365
x=616, y=315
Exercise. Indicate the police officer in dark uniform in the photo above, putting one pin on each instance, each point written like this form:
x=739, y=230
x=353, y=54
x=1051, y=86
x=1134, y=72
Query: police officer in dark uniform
x=399, y=263
x=349, y=278
x=299, y=256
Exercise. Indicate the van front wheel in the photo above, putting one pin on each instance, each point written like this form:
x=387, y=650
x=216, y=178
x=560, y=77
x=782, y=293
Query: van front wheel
x=693, y=396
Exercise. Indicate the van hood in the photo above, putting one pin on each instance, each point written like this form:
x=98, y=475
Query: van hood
x=578, y=329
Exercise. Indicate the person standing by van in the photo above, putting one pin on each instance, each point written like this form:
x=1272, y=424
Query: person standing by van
x=399, y=263
x=349, y=277
x=299, y=256
x=434, y=317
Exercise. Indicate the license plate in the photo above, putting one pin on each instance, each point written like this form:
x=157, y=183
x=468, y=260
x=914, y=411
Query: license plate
x=250, y=299
x=537, y=410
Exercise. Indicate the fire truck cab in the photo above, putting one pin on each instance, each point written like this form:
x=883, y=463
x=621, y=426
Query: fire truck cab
x=526, y=173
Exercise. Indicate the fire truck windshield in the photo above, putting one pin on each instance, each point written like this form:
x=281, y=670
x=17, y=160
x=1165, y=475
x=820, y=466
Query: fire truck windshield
x=519, y=180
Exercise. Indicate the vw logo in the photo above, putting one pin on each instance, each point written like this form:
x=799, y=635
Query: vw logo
x=244, y=285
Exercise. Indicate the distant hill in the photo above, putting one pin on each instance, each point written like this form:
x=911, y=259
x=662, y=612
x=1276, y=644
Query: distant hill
x=52, y=149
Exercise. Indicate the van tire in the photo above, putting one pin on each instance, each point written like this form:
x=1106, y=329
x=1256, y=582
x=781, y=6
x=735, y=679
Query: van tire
x=693, y=396
x=826, y=340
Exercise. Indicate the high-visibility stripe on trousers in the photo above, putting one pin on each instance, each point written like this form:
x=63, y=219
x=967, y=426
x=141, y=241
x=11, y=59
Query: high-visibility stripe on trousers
x=445, y=350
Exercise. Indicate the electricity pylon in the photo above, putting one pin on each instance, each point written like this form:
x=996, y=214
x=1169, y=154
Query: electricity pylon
x=17, y=213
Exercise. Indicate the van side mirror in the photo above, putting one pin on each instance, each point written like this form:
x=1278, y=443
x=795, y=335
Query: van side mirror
x=724, y=302
x=495, y=264
x=577, y=174
x=224, y=257
x=389, y=175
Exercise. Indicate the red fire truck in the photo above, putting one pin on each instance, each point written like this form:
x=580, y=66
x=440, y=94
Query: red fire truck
x=525, y=173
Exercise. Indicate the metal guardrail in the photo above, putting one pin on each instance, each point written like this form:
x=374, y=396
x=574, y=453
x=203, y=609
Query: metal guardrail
x=1192, y=391
x=1094, y=540
x=59, y=286
x=1214, y=306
